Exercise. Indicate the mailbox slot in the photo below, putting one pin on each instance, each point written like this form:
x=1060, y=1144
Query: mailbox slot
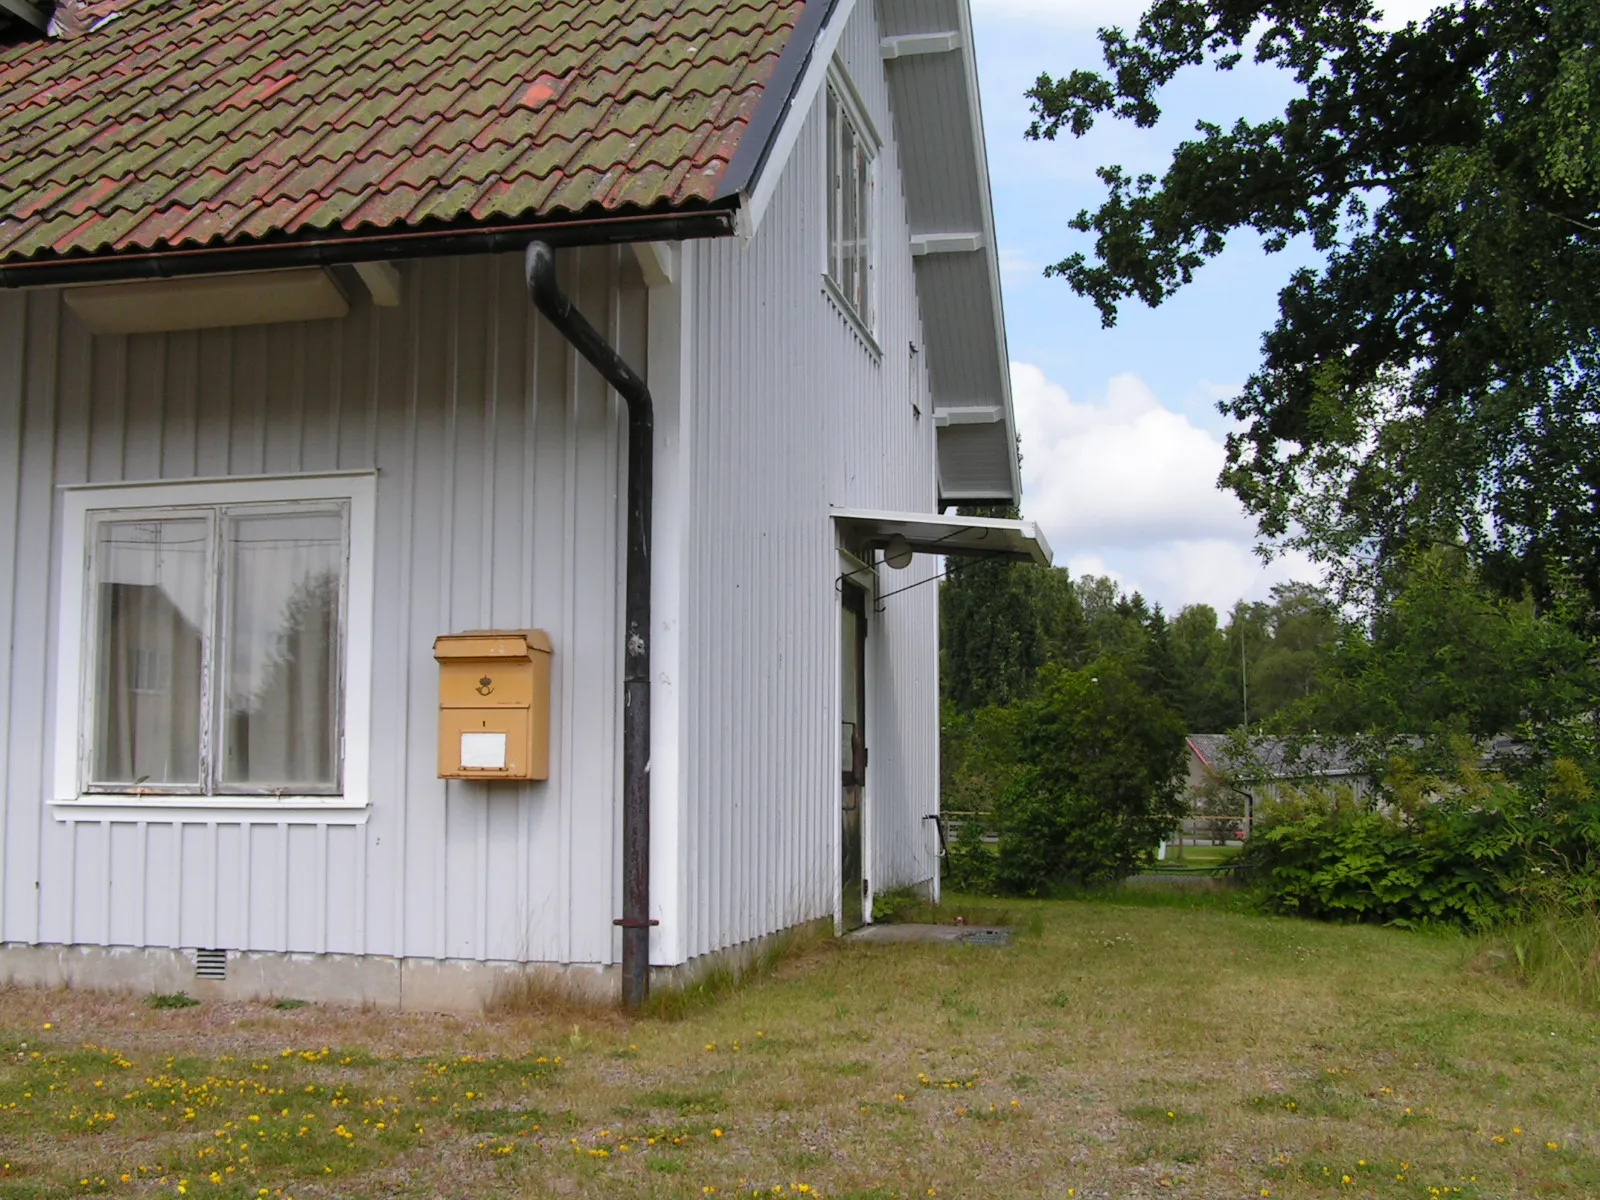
x=494, y=704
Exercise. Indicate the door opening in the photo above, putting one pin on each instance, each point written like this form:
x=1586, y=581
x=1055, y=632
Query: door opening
x=852, y=750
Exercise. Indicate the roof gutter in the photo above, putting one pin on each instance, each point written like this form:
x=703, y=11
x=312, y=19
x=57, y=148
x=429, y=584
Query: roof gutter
x=540, y=269
x=345, y=249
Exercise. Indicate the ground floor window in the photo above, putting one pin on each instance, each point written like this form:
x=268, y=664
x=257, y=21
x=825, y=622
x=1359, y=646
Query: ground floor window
x=209, y=636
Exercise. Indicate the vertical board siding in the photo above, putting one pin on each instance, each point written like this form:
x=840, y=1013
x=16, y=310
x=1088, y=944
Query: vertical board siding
x=795, y=412
x=499, y=464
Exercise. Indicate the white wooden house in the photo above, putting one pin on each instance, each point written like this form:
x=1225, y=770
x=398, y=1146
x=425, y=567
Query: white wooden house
x=288, y=391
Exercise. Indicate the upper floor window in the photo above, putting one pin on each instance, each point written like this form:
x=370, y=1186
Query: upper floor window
x=210, y=638
x=851, y=190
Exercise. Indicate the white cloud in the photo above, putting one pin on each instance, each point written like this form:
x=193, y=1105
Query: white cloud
x=1126, y=470
x=1018, y=270
x=1128, y=488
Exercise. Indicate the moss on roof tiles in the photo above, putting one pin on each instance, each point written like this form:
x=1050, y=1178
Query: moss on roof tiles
x=190, y=120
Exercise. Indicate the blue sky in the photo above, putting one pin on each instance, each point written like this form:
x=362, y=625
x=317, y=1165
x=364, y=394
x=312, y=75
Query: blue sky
x=1121, y=437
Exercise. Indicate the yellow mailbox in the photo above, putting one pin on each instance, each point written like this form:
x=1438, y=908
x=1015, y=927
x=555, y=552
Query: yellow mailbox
x=494, y=704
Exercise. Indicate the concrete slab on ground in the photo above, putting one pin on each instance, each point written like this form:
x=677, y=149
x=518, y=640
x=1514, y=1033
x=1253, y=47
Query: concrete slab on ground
x=975, y=935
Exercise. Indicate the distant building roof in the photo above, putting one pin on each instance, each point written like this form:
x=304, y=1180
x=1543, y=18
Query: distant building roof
x=1274, y=758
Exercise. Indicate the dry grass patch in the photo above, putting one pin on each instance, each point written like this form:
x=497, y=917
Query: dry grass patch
x=1121, y=1051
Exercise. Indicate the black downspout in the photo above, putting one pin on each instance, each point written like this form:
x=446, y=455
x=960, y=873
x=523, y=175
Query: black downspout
x=540, y=268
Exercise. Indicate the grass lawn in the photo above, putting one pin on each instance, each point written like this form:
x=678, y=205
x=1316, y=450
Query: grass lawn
x=1116, y=1050
x=1200, y=856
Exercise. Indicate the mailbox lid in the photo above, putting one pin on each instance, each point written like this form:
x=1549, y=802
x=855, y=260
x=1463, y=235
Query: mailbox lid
x=491, y=644
x=485, y=683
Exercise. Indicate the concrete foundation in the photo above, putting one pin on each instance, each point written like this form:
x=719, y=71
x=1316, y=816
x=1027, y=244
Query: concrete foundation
x=407, y=984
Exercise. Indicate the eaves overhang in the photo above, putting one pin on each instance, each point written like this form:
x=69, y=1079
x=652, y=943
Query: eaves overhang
x=717, y=219
x=928, y=54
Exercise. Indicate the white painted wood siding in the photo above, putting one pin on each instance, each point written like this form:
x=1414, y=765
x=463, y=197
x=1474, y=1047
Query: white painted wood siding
x=793, y=412
x=499, y=467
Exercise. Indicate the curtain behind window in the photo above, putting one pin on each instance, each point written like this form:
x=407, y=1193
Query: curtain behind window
x=149, y=653
x=281, y=689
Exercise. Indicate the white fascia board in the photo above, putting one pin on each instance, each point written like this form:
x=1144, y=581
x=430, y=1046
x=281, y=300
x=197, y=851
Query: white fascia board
x=908, y=44
x=754, y=205
x=973, y=414
x=975, y=106
x=945, y=243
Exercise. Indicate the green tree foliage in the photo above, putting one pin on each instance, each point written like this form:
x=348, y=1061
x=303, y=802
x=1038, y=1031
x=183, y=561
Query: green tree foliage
x=1200, y=651
x=1446, y=658
x=1436, y=377
x=1094, y=782
x=1000, y=623
x=1300, y=627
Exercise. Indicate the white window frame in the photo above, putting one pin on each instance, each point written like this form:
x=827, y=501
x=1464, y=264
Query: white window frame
x=82, y=504
x=854, y=113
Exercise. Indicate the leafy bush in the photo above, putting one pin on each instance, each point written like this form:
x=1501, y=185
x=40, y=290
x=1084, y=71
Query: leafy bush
x=969, y=863
x=1471, y=850
x=897, y=904
x=1095, y=785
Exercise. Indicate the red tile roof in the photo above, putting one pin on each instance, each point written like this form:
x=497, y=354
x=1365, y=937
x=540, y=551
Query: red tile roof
x=217, y=122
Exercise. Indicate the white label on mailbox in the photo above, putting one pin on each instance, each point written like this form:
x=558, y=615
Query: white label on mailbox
x=483, y=751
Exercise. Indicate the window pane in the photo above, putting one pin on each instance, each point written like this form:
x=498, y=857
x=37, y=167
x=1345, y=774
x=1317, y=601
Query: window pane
x=863, y=292
x=834, y=259
x=150, y=618
x=849, y=217
x=284, y=576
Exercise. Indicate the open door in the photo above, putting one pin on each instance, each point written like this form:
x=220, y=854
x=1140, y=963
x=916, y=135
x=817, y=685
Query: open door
x=852, y=749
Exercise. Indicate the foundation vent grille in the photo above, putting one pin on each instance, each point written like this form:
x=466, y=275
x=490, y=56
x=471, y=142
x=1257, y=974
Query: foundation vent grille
x=211, y=964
